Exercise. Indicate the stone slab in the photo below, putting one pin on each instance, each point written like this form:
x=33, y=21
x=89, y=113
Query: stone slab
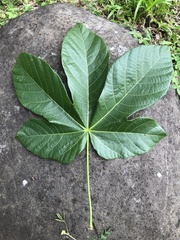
x=139, y=198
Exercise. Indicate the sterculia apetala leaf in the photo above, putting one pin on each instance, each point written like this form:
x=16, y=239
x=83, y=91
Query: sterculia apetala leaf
x=101, y=102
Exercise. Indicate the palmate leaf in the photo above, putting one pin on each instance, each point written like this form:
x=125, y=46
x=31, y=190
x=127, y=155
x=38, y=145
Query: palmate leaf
x=101, y=102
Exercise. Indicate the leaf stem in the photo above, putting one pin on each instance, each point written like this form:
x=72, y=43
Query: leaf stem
x=88, y=184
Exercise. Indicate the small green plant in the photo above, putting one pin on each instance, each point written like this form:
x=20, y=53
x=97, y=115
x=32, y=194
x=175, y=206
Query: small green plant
x=101, y=101
x=104, y=235
x=142, y=39
x=113, y=9
x=65, y=232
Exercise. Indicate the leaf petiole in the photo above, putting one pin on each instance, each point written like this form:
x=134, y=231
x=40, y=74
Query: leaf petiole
x=88, y=184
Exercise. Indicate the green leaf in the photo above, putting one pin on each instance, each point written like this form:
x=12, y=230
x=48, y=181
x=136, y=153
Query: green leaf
x=40, y=90
x=102, y=100
x=85, y=59
x=127, y=138
x=135, y=81
x=49, y=140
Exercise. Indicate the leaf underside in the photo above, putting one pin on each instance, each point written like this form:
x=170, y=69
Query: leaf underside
x=102, y=98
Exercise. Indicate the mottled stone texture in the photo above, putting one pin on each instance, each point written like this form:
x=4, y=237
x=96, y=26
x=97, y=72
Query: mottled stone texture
x=138, y=197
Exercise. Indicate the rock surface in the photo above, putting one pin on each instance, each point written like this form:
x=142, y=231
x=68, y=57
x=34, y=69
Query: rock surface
x=138, y=198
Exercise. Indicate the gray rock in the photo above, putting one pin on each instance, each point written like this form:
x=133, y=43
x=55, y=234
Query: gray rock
x=139, y=198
